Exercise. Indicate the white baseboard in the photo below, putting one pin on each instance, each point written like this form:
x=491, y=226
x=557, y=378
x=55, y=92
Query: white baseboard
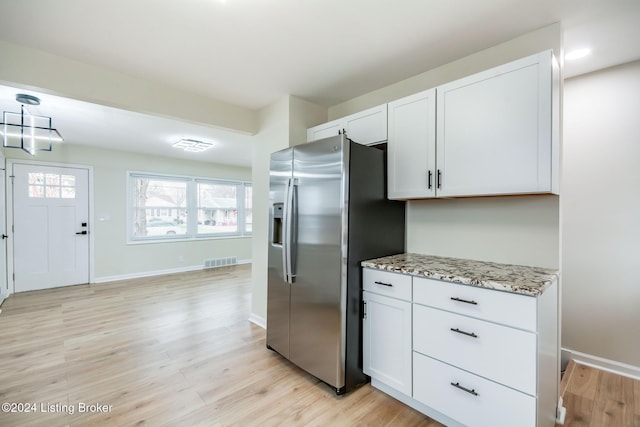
x=258, y=320
x=612, y=366
x=141, y=274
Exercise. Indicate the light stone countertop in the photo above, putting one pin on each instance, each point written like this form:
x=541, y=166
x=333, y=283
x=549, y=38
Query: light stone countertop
x=519, y=279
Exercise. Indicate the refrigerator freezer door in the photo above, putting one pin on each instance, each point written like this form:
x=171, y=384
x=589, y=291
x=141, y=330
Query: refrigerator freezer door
x=278, y=289
x=319, y=292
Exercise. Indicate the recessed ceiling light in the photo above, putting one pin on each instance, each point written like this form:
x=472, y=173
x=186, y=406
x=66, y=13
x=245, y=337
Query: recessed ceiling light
x=577, y=54
x=193, y=145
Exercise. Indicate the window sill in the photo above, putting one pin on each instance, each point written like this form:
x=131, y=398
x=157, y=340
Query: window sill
x=184, y=239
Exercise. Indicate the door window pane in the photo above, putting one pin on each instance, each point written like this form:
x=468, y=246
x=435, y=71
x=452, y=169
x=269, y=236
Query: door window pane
x=52, y=185
x=52, y=192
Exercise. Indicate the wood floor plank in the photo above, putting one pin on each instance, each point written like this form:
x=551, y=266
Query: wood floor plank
x=636, y=399
x=579, y=410
x=177, y=350
x=566, y=377
x=611, y=413
x=584, y=381
x=615, y=387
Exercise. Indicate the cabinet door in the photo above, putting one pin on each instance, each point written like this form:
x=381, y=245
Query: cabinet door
x=387, y=341
x=494, y=130
x=324, y=130
x=368, y=126
x=412, y=146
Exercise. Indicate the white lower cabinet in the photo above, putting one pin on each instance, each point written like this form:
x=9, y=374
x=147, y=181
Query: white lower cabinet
x=468, y=398
x=386, y=328
x=387, y=341
x=463, y=355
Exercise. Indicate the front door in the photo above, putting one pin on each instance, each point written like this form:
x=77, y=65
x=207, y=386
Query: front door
x=50, y=220
x=4, y=291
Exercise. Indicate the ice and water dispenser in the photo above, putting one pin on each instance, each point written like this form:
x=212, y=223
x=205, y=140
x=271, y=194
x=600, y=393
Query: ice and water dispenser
x=278, y=209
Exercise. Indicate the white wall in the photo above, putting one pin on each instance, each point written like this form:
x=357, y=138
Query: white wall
x=601, y=214
x=521, y=230
x=273, y=136
x=114, y=258
x=513, y=230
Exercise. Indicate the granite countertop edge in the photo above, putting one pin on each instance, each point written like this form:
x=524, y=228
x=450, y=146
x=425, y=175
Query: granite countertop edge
x=518, y=279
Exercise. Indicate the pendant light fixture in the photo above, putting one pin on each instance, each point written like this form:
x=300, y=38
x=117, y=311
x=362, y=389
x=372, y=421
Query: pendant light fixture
x=26, y=131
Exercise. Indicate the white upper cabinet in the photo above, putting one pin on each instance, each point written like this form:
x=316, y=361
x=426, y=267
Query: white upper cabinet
x=486, y=134
x=366, y=127
x=324, y=130
x=411, y=146
x=494, y=131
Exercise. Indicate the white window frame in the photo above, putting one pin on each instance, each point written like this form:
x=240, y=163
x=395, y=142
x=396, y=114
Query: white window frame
x=192, y=208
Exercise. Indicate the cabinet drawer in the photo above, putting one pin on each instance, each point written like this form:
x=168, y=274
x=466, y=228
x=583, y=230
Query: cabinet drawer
x=500, y=353
x=496, y=306
x=386, y=283
x=484, y=404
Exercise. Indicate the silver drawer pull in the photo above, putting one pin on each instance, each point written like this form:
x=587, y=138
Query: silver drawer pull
x=463, y=300
x=384, y=284
x=469, y=334
x=472, y=391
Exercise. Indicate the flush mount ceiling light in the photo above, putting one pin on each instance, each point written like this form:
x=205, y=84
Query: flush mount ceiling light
x=193, y=145
x=26, y=131
x=577, y=54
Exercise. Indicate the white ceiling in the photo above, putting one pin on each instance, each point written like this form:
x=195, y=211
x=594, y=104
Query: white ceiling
x=252, y=52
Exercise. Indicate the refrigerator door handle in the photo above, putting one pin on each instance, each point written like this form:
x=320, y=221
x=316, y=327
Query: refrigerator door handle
x=293, y=228
x=288, y=232
x=285, y=232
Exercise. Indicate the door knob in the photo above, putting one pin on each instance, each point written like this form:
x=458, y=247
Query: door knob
x=82, y=232
x=4, y=236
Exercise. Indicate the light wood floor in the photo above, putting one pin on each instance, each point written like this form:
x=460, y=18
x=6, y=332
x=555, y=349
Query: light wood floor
x=178, y=350
x=595, y=398
x=174, y=350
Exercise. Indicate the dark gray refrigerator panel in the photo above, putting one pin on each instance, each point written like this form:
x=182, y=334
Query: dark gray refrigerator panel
x=328, y=212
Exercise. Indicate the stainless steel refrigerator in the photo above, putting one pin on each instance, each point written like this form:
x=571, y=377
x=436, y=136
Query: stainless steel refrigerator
x=328, y=212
